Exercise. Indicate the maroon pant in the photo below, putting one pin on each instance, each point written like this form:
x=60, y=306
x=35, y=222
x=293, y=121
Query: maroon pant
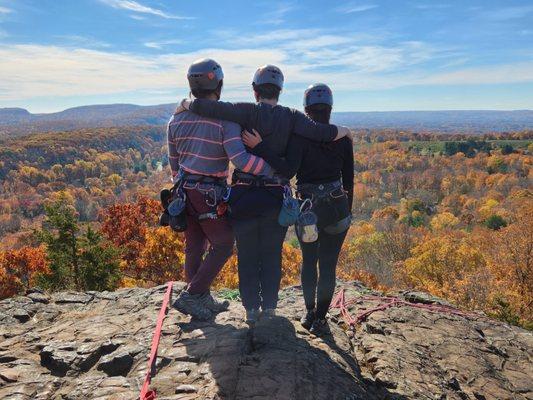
x=201, y=268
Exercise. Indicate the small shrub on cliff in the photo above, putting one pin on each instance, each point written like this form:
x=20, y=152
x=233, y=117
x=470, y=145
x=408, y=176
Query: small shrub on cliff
x=80, y=261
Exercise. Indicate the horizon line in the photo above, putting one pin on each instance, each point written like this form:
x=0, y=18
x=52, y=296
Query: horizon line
x=335, y=112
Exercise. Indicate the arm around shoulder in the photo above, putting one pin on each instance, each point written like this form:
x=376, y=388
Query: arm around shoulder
x=316, y=131
x=235, y=112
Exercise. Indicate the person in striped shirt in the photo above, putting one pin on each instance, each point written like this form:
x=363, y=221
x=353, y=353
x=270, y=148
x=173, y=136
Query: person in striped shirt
x=200, y=150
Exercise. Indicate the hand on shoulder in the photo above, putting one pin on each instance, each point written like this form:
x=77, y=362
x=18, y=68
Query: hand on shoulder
x=184, y=105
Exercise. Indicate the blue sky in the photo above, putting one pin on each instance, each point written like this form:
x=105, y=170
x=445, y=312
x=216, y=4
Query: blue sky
x=375, y=54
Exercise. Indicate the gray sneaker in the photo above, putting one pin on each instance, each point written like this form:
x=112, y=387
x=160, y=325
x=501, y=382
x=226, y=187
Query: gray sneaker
x=193, y=305
x=252, y=316
x=213, y=304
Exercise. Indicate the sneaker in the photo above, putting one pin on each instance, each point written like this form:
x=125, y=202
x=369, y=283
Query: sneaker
x=320, y=327
x=213, y=304
x=268, y=314
x=192, y=304
x=308, y=319
x=252, y=316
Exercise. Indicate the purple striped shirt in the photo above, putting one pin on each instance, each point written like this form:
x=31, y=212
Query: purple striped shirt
x=205, y=146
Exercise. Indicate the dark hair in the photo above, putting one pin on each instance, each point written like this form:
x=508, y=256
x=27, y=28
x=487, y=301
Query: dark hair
x=267, y=91
x=319, y=112
x=203, y=93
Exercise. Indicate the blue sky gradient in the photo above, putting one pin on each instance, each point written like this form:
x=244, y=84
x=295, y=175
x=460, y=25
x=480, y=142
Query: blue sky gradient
x=376, y=55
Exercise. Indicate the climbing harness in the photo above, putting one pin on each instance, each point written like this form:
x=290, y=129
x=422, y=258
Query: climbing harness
x=342, y=304
x=330, y=204
x=146, y=393
x=216, y=194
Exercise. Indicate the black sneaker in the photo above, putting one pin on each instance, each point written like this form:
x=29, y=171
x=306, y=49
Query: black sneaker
x=193, y=305
x=308, y=319
x=268, y=314
x=320, y=327
x=213, y=304
x=252, y=316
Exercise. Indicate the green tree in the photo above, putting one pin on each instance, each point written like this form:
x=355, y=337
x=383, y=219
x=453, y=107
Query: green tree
x=100, y=262
x=507, y=149
x=495, y=222
x=77, y=261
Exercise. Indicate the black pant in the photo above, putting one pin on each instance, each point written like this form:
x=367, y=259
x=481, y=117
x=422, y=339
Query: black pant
x=259, y=242
x=325, y=251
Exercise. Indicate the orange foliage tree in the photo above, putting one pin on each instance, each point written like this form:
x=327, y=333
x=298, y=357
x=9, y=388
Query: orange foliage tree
x=126, y=225
x=162, y=256
x=20, y=268
x=509, y=254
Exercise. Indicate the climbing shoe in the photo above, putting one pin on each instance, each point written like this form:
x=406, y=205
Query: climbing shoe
x=308, y=319
x=193, y=305
x=320, y=327
x=252, y=316
x=213, y=304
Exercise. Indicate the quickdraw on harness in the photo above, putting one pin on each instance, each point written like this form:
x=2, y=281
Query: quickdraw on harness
x=146, y=393
x=386, y=302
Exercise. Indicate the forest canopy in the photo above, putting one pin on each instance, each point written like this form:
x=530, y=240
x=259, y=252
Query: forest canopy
x=447, y=214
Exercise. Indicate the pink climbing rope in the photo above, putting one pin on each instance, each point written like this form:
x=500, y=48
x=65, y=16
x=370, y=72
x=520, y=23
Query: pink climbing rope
x=146, y=393
x=342, y=304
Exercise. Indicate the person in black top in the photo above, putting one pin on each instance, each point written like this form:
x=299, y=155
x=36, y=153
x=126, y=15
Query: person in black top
x=256, y=202
x=320, y=168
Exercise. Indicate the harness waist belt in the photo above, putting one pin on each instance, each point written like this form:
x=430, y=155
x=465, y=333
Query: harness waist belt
x=195, y=178
x=240, y=177
x=319, y=189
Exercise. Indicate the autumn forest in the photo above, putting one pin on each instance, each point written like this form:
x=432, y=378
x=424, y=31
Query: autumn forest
x=448, y=214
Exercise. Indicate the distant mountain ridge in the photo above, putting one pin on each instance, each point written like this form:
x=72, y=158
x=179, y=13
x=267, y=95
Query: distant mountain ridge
x=20, y=121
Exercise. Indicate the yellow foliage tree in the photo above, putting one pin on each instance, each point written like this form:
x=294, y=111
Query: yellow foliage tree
x=162, y=257
x=449, y=266
x=445, y=220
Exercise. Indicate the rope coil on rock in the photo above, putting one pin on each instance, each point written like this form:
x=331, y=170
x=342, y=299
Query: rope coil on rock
x=342, y=304
x=146, y=393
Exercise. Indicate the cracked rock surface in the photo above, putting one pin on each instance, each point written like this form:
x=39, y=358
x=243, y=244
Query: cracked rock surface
x=74, y=346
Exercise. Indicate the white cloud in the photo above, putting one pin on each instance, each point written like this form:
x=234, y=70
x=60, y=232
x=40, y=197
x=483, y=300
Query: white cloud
x=504, y=73
x=507, y=13
x=355, y=8
x=134, y=6
x=33, y=71
x=162, y=43
x=5, y=10
x=82, y=41
x=278, y=14
x=30, y=71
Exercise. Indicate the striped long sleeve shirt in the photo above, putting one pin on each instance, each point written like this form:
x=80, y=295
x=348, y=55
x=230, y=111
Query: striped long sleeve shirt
x=204, y=146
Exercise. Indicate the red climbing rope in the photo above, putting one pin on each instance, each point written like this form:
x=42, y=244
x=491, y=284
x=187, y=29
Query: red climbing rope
x=147, y=394
x=342, y=304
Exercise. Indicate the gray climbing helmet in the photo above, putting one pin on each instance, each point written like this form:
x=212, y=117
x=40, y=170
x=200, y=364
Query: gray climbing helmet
x=268, y=74
x=318, y=93
x=205, y=74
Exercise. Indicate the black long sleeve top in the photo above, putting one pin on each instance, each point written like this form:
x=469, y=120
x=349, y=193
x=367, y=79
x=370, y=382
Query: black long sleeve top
x=276, y=124
x=314, y=162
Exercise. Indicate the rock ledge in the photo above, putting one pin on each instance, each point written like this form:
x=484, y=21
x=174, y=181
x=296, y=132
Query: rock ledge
x=75, y=346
